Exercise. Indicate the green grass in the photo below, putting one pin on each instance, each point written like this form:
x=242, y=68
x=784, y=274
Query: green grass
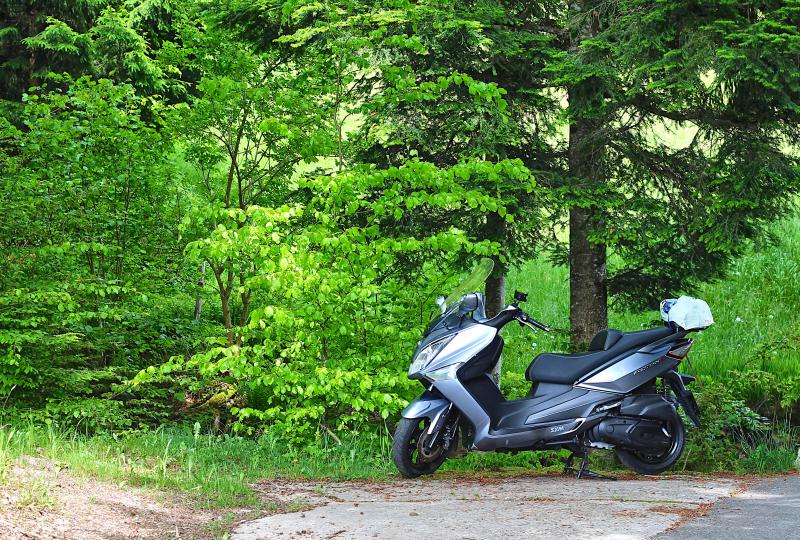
x=768, y=458
x=757, y=303
x=214, y=470
x=217, y=471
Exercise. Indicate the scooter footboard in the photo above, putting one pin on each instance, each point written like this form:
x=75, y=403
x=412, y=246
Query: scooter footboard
x=428, y=405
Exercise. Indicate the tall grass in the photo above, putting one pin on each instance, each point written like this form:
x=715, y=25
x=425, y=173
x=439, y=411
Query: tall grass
x=775, y=451
x=216, y=471
x=758, y=302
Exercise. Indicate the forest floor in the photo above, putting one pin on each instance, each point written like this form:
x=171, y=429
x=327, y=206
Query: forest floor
x=40, y=499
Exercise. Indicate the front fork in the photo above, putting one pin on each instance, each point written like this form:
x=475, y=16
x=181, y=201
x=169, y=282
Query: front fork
x=444, y=421
x=436, y=432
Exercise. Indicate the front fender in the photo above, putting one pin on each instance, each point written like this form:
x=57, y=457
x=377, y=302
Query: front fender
x=427, y=405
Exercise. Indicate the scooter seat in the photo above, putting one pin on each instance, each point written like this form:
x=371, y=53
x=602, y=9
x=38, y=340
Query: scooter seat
x=568, y=368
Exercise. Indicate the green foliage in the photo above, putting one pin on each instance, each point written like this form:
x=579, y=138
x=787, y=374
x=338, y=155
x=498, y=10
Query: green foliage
x=122, y=53
x=335, y=166
x=58, y=38
x=327, y=347
x=87, y=217
x=589, y=99
x=773, y=395
x=696, y=70
x=65, y=189
x=734, y=436
x=132, y=41
x=37, y=37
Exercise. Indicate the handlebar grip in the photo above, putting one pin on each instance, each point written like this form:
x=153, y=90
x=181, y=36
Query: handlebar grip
x=540, y=326
x=524, y=318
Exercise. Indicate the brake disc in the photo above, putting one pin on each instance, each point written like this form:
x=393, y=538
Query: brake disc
x=425, y=454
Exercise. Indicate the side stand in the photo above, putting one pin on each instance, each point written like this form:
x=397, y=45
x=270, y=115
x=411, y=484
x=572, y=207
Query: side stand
x=583, y=471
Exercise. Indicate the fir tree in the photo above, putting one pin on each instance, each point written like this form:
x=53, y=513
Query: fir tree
x=663, y=129
x=37, y=37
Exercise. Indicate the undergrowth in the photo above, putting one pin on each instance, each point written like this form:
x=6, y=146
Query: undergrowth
x=748, y=362
x=755, y=312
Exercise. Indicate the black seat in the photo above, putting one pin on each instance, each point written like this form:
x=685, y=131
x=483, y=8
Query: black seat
x=568, y=368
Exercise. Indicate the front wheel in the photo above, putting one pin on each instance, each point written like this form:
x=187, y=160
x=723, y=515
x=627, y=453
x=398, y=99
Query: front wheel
x=645, y=463
x=409, y=452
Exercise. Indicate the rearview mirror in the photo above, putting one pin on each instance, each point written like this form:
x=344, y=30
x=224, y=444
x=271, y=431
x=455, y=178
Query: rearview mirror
x=469, y=303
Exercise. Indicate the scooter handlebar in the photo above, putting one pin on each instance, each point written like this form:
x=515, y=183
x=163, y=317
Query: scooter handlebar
x=527, y=320
x=512, y=313
x=504, y=317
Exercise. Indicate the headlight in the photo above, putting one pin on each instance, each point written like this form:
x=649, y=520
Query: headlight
x=426, y=355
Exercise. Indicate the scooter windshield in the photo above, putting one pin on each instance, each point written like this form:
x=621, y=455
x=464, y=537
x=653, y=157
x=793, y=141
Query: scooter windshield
x=472, y=283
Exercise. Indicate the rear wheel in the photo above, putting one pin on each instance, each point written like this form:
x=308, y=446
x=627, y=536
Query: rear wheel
x=411, y=456
x=645, y=463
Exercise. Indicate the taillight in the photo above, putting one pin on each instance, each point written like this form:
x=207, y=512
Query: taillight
x=681, y=350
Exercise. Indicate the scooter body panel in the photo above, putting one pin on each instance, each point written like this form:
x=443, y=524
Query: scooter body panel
x=629, y=373
x=454, y=391
x=522, y=427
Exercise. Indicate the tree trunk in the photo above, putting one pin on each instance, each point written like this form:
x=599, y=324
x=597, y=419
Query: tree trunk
x=495, y=302
x=588, y=311
x=198, y=304
x=496, y=290
x=496, y=284
x=588, y=296
x=32, y=30
x=245, y=296
x=588, y=293
x=226, y=316
x=225, y=298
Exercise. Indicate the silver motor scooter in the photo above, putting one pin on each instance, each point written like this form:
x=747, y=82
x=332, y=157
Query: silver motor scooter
x=622, y=394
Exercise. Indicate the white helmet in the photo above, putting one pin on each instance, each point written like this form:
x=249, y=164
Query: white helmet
x=687, y=313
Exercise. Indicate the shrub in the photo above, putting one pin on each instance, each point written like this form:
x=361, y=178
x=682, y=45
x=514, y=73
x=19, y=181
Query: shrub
x=734, y=436
x=340, y=302
x=727, y=423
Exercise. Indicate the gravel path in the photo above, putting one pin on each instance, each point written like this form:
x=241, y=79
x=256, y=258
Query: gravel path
x=522, y=507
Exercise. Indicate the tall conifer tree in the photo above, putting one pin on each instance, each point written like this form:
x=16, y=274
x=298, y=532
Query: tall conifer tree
x=662, y=128
x=25, y=56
